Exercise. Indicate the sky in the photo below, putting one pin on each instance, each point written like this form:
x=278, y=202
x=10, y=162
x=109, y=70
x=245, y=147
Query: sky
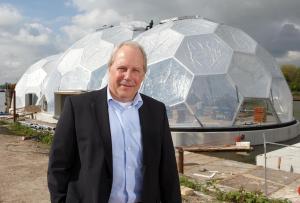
x=33, y=29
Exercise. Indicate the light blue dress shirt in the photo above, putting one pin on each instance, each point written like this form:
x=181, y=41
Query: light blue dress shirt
x=126, y=149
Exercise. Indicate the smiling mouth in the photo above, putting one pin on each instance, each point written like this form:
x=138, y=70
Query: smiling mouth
x=127, y=84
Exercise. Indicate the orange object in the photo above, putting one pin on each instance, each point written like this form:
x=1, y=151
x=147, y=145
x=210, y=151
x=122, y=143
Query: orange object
x=259, y=114
x=299, y=190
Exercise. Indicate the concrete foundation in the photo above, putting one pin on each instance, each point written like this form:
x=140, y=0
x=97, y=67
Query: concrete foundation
x=254, y=136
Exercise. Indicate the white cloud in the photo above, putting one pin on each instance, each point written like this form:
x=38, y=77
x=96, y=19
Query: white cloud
x=22, y=42
x=9, y=15
x=291, y=57
x=89, y=21
x=74, y=32
x=96, y=18
x=34, y=34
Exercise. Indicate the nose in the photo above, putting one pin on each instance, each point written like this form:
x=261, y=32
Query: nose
x=127, y=75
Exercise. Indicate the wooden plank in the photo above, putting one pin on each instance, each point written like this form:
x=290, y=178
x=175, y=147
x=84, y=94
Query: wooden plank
x=214, y=148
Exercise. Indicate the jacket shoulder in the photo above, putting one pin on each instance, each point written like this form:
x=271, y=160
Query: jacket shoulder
x=151, y=100
x=86, y=96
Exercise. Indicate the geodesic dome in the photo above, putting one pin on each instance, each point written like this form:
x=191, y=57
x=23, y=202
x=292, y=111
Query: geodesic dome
x=207, y=74
x=83, y=66
x=32, y=80
x=213, y=75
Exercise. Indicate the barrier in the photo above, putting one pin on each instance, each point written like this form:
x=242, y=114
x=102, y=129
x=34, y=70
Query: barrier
x=278, y=163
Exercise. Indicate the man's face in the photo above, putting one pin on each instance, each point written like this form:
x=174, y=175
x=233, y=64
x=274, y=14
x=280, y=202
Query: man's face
x=126, y=73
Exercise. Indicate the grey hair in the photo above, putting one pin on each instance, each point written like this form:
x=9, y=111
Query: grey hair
x=131, y=44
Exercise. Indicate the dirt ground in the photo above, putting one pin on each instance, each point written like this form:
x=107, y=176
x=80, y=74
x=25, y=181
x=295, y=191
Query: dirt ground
x=23, y=170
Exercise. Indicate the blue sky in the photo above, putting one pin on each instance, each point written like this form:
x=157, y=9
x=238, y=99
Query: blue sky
x=42, y=9
x=33, y=29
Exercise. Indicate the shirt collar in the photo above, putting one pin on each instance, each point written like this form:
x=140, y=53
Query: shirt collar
x=137, y=101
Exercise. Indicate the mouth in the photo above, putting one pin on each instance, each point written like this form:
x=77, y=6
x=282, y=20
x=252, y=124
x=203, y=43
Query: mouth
x=127, y=84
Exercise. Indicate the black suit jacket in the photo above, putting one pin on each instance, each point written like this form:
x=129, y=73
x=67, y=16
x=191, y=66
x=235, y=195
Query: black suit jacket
x=80, y=163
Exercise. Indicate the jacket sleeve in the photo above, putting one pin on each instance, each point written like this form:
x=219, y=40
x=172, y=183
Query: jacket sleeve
x=169, y=180
x=62, y=155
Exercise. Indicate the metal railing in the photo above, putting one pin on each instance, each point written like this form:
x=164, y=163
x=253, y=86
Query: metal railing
x=265, y=158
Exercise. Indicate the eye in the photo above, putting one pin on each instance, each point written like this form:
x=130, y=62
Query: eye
x=121, y=69
x=136, y=70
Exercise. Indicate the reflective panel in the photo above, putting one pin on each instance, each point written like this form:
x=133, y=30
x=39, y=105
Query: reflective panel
x=204, y=54
x=96, y=54
x=213, y=99
x=190, y=27
x=170, y=78
x=161, y=45
x=256, y=111
x=97, y=78
x=282, y=99
x=69, y=60
x=236, y=39
x=203, y=71
x=33, y=79
x=75, y=80
x=270, y=64
x=115, y=35
x=249, y=75
x=50, y=86
x=181, y=116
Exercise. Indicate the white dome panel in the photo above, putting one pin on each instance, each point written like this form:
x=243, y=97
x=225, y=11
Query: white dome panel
x=236, y=39
x=204, y=54
x=96, y=55
x=194, y=27
x=70, y=60
x=160, y=45
x=77, y=79
x=213, y=99
x=270, y=64
x=171, y=78
x=282, y=99
x=249, y=75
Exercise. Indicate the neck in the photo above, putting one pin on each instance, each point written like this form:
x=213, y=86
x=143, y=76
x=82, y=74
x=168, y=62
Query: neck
x=123, y=100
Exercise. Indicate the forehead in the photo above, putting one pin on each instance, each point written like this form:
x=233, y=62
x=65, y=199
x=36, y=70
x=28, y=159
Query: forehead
x=129, y=55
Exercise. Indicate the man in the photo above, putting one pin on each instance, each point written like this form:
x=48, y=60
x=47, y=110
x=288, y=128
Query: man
x=114, y=145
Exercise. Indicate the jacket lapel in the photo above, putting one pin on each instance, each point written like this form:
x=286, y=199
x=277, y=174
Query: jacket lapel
x=144, y=115
x=100, y=109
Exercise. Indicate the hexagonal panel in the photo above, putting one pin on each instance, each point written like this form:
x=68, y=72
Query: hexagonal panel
x=116, y=35
x=270, y=64
x=249, y=75
x=282, y=99
x=190, y=27
x=51, y=85
x=167, y=81
x=97, y=79
x=204, y=54
x=161, y=45
x=77, y=79
x=180, y=116
x=213, y=99
x=70, y=60
x=33, y=78
x=236, y=39
x=256, y=111
x=96, y=55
